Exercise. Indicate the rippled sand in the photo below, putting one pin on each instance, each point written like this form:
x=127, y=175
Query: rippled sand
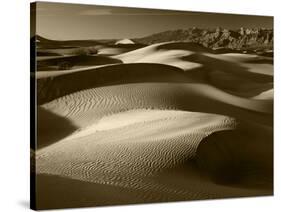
x=173, y=122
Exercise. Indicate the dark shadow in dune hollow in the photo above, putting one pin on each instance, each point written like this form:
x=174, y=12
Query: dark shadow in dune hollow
x=228, y=76
x=190, y=46
x=228, y=82
x=53, y=87
x=51, y=127
x=60, y=192
x=223, y=50
x=228, y=67
x=75, y=60
x=240, y=158
x=262, y=61
x=47, y=54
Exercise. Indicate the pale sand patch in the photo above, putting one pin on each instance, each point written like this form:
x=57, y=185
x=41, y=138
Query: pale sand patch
x=154, y=54
x=266, y=95
x=124, y=41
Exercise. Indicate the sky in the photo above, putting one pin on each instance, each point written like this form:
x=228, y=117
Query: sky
x=60, y=21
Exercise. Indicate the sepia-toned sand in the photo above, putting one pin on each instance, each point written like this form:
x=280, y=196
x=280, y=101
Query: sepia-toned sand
x=166, y=122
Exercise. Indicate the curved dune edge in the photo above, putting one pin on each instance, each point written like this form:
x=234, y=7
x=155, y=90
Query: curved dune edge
x=251, y=165
x=180, y=96
x=81, y=109
x=216, y=70
x=242, y=74
x=55, y=86
x=266, y=95
x=141, y=154
x=171, y=53
x=187, y=56
x=238, y=74
x=117, y=49
x=138, y=152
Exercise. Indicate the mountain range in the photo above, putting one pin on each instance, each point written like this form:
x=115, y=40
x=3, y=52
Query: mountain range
x=243, y=38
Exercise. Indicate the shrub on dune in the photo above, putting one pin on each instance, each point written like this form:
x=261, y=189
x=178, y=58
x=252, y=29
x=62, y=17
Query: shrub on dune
x=65, y=65
x=84, y=51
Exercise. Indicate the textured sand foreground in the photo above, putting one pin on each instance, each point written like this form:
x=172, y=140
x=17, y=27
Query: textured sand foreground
x=167, y=122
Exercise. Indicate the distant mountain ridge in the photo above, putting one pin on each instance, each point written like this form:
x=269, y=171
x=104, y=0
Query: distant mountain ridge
x=239, y=39
x=42, y=42
x=243, y=38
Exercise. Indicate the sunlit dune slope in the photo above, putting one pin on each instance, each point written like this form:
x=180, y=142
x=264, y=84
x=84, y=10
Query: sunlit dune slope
x=118, y=49
x=136, y=155
x=242, y=74
x=54, y=86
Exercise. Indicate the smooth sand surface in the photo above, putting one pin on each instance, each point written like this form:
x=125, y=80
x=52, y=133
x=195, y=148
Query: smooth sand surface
x=174, y=121
x=56, y=63
x=269, y=94
x=241, y=74
x=124, y=41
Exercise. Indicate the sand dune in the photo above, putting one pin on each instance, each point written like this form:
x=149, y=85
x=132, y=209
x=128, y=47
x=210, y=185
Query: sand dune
x=188, y=56
x=239, y=74
x=137, y=155
x=246, y=75
x=119, y=48
x=112, y=51
x=170, y=121
x=57, y=85
x=57, y=63
x=124, y=41
x=238, y=84
x=166, y=53
x=266, y=95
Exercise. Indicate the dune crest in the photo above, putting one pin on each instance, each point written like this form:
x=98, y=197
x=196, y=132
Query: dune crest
x=124, y=41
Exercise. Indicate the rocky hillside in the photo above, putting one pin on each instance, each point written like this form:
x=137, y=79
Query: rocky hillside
x=243, y=38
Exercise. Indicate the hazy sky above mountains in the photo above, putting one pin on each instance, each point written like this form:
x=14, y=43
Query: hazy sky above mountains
x=75, y=21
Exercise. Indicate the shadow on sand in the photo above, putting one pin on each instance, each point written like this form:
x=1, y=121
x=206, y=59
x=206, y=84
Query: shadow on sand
x=51, y=127
x=242, y=157
x=60, y=192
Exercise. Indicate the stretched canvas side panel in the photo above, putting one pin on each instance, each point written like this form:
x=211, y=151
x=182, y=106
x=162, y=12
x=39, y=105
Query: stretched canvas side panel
x=32, y=105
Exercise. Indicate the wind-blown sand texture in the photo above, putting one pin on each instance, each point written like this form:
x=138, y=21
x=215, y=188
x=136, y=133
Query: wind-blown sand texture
x=166, y=122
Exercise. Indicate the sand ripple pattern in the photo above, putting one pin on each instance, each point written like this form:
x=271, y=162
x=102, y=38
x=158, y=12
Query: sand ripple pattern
x=87, y=106
x=131, y=156
x=135, y=127
x=130, y=135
